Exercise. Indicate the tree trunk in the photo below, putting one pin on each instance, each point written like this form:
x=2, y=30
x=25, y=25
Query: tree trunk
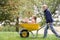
x=17, y=24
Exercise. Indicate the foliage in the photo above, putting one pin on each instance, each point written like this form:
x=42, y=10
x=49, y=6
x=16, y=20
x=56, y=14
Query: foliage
x=7, y=28
x=10, y=9
x=13, y=9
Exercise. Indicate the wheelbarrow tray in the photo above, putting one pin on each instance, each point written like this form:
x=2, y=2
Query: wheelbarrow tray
x=30, y=27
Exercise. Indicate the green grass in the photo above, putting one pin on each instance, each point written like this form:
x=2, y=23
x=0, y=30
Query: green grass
x=15, y=36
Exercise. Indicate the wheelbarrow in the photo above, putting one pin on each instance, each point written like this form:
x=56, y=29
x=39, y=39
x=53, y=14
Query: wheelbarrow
x=26, y=28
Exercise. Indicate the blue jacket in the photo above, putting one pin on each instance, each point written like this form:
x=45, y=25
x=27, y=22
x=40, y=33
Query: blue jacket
x=48, y=16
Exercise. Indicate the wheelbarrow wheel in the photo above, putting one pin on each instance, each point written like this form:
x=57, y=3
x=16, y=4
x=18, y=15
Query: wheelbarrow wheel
x=24, y=33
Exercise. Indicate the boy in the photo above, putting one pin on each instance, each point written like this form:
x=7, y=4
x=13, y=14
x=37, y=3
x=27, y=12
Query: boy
x=49, y=21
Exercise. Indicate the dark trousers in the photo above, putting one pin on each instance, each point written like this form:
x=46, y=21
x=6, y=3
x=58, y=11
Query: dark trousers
x=50, y=25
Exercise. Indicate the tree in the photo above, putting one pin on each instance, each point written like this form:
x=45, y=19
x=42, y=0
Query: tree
x=9, y=10
x=13, y=9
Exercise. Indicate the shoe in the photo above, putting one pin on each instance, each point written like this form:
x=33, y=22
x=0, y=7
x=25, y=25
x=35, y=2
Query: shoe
x=58, y=36
x=44, y=37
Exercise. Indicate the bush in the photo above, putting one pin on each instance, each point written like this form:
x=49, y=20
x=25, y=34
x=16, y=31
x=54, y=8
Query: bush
x=1, y=28
x=8, y=28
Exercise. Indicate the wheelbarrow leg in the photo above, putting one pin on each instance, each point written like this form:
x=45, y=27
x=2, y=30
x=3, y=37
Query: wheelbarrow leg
x=32, y=34
x=37, y=33
x=35, y=36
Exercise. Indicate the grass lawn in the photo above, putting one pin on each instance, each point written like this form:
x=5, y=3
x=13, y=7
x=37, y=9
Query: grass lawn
x=15, y=36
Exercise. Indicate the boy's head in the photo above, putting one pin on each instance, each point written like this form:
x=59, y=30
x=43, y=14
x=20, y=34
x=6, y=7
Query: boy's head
x=34, y=17
x=45, y=7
